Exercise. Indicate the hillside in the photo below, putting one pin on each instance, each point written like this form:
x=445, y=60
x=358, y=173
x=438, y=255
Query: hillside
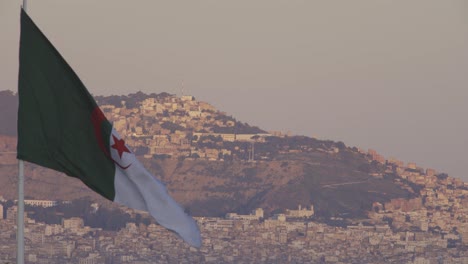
x=214, y=164
x=214, y=188
x=8, y=110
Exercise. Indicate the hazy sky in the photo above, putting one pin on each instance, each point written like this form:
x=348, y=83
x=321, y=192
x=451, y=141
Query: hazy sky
x=381, y=74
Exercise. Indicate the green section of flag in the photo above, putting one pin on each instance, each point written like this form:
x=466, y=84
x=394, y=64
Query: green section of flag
x=54, y=117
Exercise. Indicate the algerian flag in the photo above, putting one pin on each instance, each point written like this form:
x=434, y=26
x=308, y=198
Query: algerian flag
x=61, y=127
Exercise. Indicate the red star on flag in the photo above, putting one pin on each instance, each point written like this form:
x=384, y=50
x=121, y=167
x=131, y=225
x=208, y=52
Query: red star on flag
x=119, y=145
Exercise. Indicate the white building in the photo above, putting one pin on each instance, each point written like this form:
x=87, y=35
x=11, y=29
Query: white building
x=53, y=230
x=41, y=203
x=72, y=223
x=187, y=98
x=254, y=215
x=300, y=212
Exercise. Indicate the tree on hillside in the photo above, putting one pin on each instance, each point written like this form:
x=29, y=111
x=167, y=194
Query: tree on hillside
x=172, y=126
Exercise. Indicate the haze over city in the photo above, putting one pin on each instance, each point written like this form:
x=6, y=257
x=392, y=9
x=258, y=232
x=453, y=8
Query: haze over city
x=386, y=75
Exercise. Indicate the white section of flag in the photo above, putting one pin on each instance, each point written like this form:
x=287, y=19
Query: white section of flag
x=137, y=188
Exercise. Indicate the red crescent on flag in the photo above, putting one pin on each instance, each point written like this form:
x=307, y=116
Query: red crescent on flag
x=97, y=117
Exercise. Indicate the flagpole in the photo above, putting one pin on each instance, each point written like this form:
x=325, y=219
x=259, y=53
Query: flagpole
x=20, y=214
x=20, y=208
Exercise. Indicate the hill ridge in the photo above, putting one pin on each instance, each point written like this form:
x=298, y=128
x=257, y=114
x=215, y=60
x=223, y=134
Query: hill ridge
x=214, y=164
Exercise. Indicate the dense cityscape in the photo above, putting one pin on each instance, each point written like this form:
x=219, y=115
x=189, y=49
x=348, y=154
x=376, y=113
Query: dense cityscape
x=343, y=140
x=397, y=232
x=429, y=227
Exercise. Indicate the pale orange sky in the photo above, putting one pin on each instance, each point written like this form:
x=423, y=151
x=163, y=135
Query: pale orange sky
x=387, y=75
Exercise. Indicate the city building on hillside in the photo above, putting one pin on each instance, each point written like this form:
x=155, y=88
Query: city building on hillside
x=53, y=230
x=258, y=212
x=11, y=214
x=187, y=98
x=107, y=108
x=276, y=133
x=72, y=223
x=279, y=217
x=376, y=156
x=254, y=215
x=300, y=212
x=194, y=113
x=395, y=161
x=41, y=203
x=411, y=165
x=234, y=137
